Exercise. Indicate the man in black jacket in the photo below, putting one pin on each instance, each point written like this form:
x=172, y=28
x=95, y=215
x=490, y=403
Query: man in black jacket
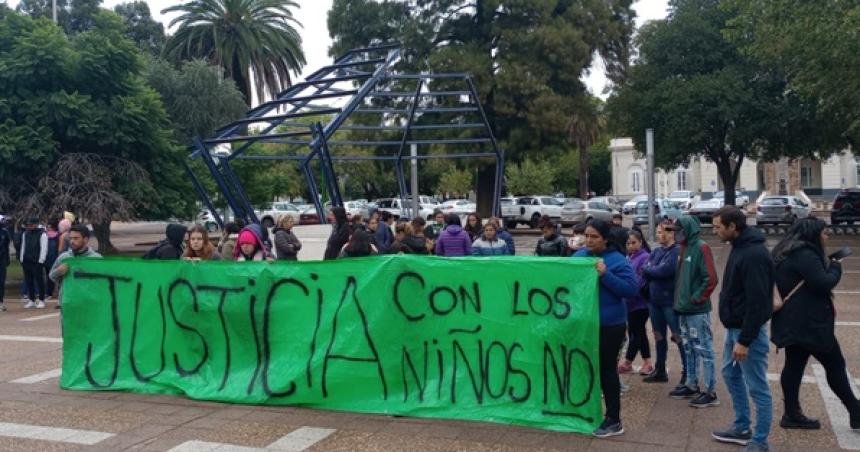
x=5, y=259
x=746, y=304
x=34, y=251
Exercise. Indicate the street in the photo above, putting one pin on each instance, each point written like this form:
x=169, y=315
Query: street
x=38, y=415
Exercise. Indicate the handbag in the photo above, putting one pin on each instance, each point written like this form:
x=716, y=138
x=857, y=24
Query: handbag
x=779, y=302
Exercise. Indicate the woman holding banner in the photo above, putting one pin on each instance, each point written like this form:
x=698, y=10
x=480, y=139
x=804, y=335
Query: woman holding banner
x=617, y=281
x=199, y=247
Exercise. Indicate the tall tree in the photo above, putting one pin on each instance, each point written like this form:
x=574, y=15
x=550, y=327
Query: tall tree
x=527, y=57
x=702, y=96
x=82, y=95
x=255, y=41
x=141, y=27
x=814, y=43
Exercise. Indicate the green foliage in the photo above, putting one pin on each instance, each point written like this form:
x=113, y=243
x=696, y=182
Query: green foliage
x=82, y=94
x=197, y=97
x=704, y=97
x=74, y=16
x=814, y=43
x=244, y=37
x=457, y=182
x=566, y=170
x=141, y=27
x=526, y=56
x=530, y=178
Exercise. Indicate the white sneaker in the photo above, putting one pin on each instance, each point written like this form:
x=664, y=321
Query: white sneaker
x=2, y=307
x=30, y=305
x=40, y=305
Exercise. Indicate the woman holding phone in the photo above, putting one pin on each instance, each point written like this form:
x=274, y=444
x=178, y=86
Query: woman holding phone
x=804, y=324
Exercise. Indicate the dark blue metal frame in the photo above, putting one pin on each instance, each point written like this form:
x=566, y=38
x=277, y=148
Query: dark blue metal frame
x=346, y=68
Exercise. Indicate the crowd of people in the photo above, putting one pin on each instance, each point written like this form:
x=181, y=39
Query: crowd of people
x=671, y=285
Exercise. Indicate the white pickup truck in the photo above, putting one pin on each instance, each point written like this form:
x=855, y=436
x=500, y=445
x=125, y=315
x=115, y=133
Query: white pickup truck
x=394, y=207
x=529, y=209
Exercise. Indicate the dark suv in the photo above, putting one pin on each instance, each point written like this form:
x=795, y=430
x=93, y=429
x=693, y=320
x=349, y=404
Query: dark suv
x=846, y=207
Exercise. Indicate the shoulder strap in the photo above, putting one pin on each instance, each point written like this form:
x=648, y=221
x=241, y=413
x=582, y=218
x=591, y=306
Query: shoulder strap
x=793, y=291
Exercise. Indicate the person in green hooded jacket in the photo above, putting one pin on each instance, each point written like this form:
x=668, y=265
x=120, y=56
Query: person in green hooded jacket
x=696, y=281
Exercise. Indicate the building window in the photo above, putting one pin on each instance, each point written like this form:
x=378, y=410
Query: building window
x=806, y=177
x=636, y=180
x=682, y=179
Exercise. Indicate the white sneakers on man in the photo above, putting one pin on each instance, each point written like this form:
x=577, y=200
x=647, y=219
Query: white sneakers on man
x=30, y=305
x=40, y=305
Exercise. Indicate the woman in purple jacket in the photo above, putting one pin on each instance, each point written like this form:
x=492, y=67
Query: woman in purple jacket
x=453, y=241
x=637, y=310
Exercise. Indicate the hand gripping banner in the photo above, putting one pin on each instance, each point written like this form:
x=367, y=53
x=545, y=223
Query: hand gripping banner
x=512, y=340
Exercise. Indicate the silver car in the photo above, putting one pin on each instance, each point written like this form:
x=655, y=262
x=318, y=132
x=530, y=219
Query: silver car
x=781, y=210
x=576, y=211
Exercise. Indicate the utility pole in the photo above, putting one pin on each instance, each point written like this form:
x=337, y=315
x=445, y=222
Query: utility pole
x=54, y=10
x=649, y=155
x=416, y=208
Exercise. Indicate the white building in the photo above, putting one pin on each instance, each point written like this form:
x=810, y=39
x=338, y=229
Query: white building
x=818, y=179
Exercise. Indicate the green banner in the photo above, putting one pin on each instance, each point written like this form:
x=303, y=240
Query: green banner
x=503, y=339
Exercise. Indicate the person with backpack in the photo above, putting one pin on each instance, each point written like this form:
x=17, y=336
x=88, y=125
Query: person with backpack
x=804, y=325
x=697, y=279
x=171, y=247
x=34, y=252
x=453, y=241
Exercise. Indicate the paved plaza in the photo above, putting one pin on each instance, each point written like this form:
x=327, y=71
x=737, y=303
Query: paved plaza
x=35, y=414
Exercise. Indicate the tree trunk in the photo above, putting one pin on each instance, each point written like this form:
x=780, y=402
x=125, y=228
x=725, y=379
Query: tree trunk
x=102, y=233
x=729, y=179
x=583, y=172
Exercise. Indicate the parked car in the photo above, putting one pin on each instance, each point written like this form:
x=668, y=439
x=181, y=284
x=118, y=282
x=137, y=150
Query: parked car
x=429, y=201
x=611, y=201
x=741, y=200
x=781, y=210
x=529, y=209
x=628, y=207
x=663, y=209
x=458, y=206
x=270, y=216
x=684, y=199
x=393, y=206
x=704, y=210
x=577, y=211
x=846, y=207
x=355, y=208
x=309, y=216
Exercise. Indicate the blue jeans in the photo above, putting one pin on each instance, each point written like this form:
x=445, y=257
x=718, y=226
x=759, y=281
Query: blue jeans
x=748, y=378
x=699, y=345
x=663, y=317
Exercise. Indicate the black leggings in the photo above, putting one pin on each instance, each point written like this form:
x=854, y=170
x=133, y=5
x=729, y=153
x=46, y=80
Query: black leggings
x=834, y=366
x=34, y=276
x=638, y=334
x=611, y=339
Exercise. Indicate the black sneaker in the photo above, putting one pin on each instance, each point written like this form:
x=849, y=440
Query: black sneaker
x=609, y=427
x=684, y=392
x=705, y=400
x=656, y=377
x=730, y=435
x=799, y=421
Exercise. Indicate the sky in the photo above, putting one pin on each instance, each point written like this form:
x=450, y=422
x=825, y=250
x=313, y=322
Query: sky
x=312, y=15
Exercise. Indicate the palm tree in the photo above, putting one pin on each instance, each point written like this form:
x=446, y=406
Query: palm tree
x=585, y=127
x=253, y=40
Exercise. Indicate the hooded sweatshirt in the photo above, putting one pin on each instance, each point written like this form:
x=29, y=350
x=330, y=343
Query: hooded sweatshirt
x=339, y=235
x=660, y=273
x=261, y=252
x=746, y=299
x=637, y=261
x=453, y=241
x=617, y=283
x=171, y=247
x=697, y=276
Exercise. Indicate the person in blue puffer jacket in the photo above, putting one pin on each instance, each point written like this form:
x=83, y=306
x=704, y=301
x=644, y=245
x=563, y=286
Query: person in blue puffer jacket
x=660, y=272
x=489, y=244
x=617, y=282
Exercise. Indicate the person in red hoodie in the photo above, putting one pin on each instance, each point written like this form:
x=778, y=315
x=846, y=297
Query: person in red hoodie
x=453, y=241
